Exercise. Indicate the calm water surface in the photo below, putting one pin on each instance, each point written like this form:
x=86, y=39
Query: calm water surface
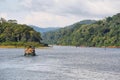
x=61, y=63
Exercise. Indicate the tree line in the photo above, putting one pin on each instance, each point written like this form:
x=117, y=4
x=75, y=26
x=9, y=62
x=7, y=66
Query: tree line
x=105, y=32
x=12, y=33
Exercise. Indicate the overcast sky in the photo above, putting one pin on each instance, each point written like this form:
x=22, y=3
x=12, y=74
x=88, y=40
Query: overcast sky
x=57, y=13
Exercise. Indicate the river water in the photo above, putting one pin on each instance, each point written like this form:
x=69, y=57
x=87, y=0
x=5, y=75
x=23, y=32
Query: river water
x=60, y=63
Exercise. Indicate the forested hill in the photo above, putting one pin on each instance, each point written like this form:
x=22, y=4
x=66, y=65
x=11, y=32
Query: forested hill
x=104, y=32
x=13, y=33
x=53, y=37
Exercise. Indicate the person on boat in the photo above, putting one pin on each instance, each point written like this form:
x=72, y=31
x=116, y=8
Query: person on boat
x=30, y=51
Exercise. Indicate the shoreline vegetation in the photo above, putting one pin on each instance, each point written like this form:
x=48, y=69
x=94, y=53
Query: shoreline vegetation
x=43, y=46
x=10, y=46
x=104, y=32
x=21, y=44
x=14, y=35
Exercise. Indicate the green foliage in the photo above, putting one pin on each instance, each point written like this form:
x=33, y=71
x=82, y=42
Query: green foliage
x=101, y=33
x=17, y=34
x=22, y=44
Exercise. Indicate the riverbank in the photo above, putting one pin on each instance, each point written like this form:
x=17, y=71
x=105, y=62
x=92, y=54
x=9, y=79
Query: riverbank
x=7, y=46
x=21, y=44
x=44, y=46
x=110, y=46
x=10, y=46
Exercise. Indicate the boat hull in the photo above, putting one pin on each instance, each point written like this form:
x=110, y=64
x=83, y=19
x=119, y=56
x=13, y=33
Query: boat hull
x=29, y=54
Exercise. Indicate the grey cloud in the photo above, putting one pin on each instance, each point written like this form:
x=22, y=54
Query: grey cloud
x=38, y=5
x=63, y=7
x=52, y=7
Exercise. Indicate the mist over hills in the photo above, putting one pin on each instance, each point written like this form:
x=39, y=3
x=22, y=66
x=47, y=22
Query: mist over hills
x=42, y=30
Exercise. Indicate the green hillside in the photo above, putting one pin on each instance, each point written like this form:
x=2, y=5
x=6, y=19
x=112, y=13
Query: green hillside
x=12, y=33
x=53, y=37
x=104, y=32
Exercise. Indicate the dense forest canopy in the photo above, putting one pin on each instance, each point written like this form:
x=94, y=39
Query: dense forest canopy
x=104, y=32
x=11, y=32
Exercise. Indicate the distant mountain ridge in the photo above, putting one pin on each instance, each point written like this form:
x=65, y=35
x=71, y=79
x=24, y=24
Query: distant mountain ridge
x=42, y=30
x=81, y=23
x=87, y=21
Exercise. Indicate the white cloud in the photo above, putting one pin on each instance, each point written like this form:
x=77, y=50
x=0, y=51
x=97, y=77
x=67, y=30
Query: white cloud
x=26, y=3
x=104, y=7
x=3, y=15
x=74, y=7
x=59, y=12
x=48, y=20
